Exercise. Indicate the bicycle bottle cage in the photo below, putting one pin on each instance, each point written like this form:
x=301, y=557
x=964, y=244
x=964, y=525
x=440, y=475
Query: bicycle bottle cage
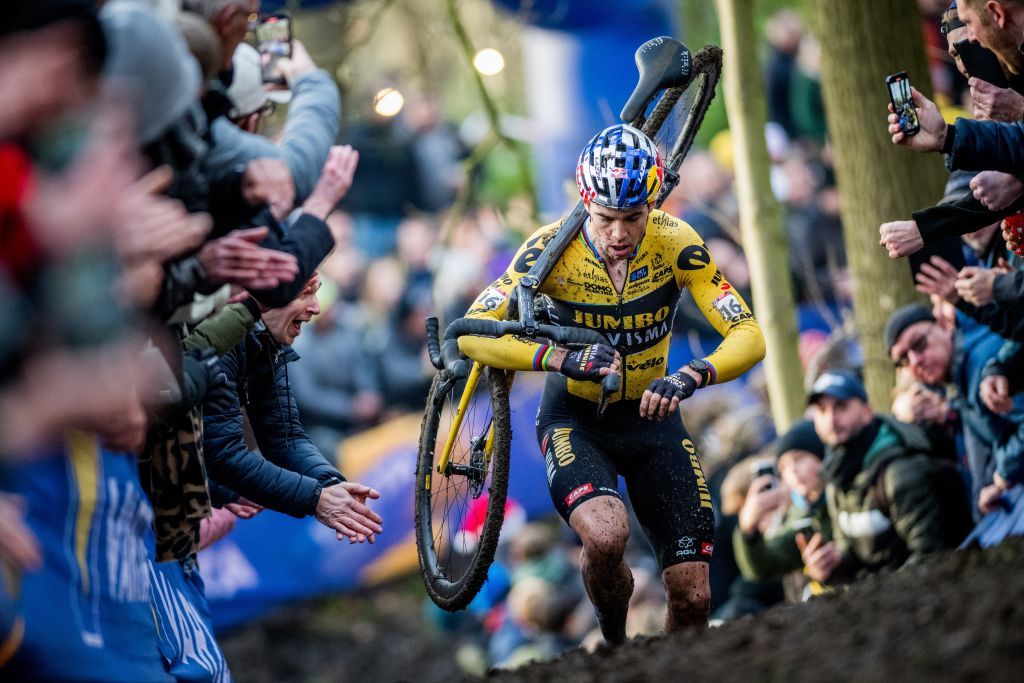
x=663, y=63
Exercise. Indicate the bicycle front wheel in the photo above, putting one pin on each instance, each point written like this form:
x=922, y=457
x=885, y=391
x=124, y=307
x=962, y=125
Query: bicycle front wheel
x=461, y=483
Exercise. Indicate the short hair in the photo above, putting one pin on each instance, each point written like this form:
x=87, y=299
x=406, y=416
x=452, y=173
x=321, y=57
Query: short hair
x=978, y=5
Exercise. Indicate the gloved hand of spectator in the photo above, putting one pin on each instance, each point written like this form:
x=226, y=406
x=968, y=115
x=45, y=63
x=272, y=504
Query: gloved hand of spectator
x=995, y=394
x=588, y=364
x=932, y=135
x=996, y=190
x=663, y=396
x=900, y=238
x=238, y=259
x=994, y=103
x=938, y=277
x=268, y=181
x=221, y=393
x=342, y=507
x=334, y=183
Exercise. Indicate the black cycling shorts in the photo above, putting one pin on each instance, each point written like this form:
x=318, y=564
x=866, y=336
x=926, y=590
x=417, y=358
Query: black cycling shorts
x=585, y=456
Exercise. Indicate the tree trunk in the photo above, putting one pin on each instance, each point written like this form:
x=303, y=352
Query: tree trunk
x=764, y=238
x=863, y=42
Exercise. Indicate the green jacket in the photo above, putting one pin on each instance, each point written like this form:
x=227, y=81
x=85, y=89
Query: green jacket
x=883, y=499
x=775, y=554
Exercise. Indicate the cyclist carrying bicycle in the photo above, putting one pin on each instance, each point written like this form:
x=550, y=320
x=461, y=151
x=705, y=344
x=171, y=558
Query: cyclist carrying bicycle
x=623, y=277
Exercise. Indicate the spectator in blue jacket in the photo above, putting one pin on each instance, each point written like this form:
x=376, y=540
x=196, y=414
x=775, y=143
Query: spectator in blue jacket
x=288, y=473
x=956, y=356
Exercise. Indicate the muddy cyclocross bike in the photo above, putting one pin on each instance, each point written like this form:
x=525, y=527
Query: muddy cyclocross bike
x=462, y=467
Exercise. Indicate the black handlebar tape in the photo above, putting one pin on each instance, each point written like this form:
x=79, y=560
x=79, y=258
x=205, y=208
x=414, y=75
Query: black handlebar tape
x=450, y=352
x=434, y=343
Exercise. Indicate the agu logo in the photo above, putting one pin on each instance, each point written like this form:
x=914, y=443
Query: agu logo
x=578, y=493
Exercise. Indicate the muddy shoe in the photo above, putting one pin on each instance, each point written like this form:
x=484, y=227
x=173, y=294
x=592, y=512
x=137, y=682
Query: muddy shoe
x=613, y=626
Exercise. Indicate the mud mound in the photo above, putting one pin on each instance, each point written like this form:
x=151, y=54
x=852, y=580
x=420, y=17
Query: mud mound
x=957, y=618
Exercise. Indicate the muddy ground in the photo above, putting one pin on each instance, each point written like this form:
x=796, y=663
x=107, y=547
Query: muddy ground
x=956, y=618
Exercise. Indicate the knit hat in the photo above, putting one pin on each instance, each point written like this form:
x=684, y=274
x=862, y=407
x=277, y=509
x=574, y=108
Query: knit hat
x=901, y=319
x=149, y=60
x=800, y=437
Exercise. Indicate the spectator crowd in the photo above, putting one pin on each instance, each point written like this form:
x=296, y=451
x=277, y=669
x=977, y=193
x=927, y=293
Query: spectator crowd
x=177, y=289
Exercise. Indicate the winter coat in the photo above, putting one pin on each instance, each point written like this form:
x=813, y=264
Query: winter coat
x=1003, y=435
x=310, y=129
x=885, y=510
x=774, y=554
x=287, y=473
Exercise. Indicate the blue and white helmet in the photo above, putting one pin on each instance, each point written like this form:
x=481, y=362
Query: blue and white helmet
x=620, y=168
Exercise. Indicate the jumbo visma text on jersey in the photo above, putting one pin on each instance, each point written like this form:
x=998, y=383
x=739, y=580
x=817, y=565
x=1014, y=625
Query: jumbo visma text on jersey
x=638, y=320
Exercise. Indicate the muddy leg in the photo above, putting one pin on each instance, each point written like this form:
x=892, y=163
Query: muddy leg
x=689, y=595
x=603, y=526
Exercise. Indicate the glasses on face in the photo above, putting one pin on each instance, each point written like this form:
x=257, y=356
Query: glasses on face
x=916, y=347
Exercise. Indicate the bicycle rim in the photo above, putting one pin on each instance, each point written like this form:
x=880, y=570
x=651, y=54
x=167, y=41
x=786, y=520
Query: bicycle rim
x=457, y=531
x=677, y=115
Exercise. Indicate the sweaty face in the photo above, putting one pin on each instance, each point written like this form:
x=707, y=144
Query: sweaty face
x=285, y=323
x=838, y=420
x=801, y=472
x=926, y=349
x=616, y=233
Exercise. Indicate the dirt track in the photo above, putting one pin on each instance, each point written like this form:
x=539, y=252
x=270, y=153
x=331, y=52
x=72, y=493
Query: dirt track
x=957, y=618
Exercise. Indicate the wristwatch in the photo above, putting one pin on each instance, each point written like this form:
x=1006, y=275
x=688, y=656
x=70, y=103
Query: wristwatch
x=704, y=369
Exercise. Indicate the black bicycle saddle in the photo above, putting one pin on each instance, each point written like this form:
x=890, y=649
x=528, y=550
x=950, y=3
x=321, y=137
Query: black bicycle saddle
x=663, y=62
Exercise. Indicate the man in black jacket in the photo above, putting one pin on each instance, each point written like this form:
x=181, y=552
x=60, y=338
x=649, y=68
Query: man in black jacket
x=288, y=473
x=884, y=497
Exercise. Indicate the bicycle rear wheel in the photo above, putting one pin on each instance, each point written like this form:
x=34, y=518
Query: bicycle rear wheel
x=459, y=511
x=676, y=117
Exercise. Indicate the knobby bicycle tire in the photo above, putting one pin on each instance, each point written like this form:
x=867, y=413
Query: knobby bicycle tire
x=447, y=593
x=706, y=71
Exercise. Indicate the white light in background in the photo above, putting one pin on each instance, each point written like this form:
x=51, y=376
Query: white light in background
x=388, y=102
x=489, y=61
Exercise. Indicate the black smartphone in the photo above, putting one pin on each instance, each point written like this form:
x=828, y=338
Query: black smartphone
x=903, y=102
x=981, y=63
x=763, y=468
x=273, y=36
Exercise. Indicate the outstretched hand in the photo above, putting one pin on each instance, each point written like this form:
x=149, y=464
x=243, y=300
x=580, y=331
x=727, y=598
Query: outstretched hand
x=938, y=277
x=238, y=259
x=334, y=183
x=900, y=238
x=342, y=507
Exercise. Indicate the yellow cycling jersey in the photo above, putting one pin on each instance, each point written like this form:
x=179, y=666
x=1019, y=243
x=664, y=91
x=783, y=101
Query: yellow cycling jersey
x=637, y=321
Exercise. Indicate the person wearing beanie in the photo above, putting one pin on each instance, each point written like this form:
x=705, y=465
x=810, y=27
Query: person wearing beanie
x=775, y=553
x=953, y=358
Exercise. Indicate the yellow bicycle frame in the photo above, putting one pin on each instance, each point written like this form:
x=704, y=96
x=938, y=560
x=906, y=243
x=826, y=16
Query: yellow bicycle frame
x=460, y=412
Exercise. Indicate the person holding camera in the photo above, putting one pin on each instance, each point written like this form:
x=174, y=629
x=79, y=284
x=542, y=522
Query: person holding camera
x=765, y=551
x=889, y=501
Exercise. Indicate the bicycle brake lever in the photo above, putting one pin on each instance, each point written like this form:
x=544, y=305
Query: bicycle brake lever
x=609, y=385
